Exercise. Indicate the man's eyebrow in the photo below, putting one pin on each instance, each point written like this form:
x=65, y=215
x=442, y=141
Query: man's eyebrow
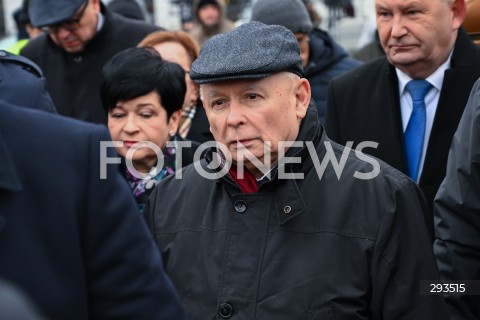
x=212, y=93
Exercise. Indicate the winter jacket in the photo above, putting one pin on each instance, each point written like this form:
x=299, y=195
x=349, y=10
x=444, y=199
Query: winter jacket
x=457, y=218
x=327, y=60
x=73, y=79
x=320, y=247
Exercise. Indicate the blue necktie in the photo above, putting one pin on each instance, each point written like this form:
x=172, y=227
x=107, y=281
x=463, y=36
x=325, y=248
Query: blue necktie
x=415, y=132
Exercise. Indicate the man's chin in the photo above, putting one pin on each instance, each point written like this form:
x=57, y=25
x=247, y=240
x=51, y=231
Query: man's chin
x=72, y=48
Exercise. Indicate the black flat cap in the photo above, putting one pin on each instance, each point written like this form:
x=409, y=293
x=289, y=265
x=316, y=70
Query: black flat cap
x=250, y=51
x=48, y=12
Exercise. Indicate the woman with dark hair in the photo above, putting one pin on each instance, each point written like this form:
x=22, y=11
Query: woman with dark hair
x=143, y=95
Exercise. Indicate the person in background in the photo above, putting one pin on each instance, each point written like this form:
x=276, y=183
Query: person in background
x=411, y=100
x=143, y=95
x=71, y=237
x=457, y=219
x=24, y=23
x=81, y=36
x=210, y=19
x=273, y=239
x=181, y=48
x=323, y=58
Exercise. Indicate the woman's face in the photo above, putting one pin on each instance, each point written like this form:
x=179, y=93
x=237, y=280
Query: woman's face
x=175, y=52
x=142, y=119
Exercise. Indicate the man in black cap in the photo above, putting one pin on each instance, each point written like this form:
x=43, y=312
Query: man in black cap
x=82, y=36
x=261, y=230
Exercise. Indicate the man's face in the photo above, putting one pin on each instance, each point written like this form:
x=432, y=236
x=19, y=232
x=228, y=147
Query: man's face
x=418, y=35
x=245, y=115
x=209, y=15
x=73, y=35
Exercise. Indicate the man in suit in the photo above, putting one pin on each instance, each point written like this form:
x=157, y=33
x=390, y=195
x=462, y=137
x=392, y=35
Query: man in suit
x=82, y=35
x=423, y=40
x=71, y=241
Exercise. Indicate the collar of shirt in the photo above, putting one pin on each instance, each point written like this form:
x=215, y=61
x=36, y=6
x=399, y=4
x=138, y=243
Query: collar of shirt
x=101, y=20
x=435, y=79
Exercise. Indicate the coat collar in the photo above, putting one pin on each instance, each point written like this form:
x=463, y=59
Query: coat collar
x=288, y=202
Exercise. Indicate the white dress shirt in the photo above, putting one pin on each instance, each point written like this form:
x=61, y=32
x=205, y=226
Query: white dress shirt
x=431, y=102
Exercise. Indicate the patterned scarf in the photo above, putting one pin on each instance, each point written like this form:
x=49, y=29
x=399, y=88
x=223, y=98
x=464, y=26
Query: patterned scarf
x=186, y=122
x=142, y=188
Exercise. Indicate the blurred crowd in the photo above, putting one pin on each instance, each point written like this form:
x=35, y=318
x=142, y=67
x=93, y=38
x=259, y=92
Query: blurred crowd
x=251, y=172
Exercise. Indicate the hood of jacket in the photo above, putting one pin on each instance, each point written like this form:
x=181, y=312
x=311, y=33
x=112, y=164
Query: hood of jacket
x=324, y=52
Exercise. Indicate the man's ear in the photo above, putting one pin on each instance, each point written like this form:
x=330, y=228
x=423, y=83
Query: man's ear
x=303, y=94
x=459, y=9
x=95, y=5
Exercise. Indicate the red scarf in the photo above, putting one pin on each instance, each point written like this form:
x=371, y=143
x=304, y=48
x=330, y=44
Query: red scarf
x=248, y=184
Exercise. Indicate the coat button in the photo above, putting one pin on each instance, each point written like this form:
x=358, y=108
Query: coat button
x=3, y=53
x=240, y=206
x=287, y=209
x=225, y=311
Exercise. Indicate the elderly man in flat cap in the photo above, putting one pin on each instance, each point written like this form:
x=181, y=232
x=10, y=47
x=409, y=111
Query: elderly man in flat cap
x=264, y=227
x=81, y=35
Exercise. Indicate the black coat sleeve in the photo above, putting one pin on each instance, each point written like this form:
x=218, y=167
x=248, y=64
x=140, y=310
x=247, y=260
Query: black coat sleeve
x=457, y=211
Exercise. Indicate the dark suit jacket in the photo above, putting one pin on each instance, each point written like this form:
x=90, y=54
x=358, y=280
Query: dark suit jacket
x=74, y=243
x=364, y=105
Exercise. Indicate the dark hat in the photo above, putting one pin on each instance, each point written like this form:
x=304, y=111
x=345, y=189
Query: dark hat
x=203, y=3
x=250, y=51
x=292, y=14
x=48, y=12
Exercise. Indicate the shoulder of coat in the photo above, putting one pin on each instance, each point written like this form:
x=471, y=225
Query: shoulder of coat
x=22, y=62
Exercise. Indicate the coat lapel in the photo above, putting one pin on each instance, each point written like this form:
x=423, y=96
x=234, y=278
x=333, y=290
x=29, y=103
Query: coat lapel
x=385, y=123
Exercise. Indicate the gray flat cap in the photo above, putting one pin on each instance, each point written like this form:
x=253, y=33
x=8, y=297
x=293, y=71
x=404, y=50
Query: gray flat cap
x=48, y=12
x=250, y=51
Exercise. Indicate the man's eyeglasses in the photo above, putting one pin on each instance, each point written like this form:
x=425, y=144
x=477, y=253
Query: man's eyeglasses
x=70, y=24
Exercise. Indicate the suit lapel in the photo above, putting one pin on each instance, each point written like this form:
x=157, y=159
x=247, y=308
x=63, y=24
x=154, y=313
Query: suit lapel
x=389, y=122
